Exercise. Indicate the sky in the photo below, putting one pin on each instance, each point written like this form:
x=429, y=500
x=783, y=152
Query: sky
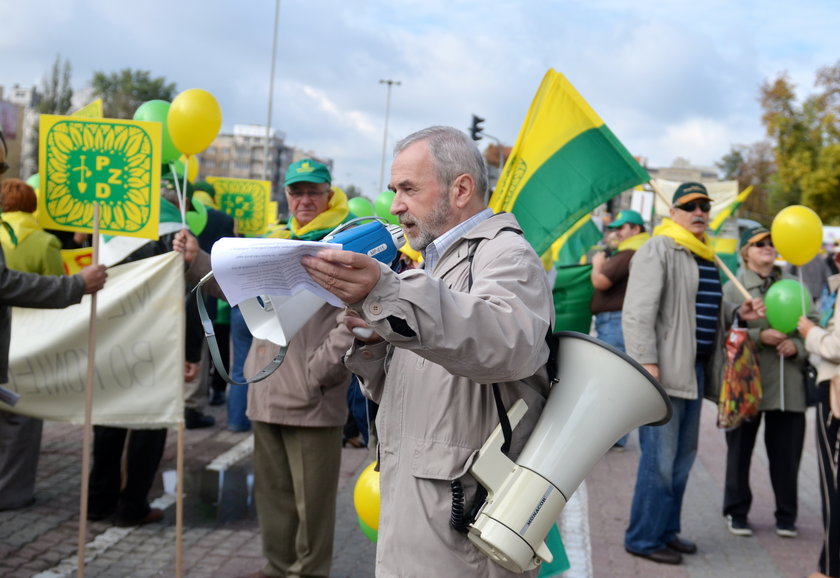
x=671, y=78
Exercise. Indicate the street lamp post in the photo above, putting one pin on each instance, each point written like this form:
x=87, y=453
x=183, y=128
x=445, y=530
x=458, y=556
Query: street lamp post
x=390, y=83
x=271, y=90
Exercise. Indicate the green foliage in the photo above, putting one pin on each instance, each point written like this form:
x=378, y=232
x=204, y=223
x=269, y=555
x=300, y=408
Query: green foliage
x=122, y=92
x=56, y=91
x=806, y=143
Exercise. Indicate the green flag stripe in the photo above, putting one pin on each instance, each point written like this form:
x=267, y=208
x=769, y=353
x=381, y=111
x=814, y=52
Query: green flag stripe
x=578, y=244
x=591, y=169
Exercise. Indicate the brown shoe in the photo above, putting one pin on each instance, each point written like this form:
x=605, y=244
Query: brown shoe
x=154, y=515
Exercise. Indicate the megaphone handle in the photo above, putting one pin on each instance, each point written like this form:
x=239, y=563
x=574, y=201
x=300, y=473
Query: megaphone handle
x=213, y=344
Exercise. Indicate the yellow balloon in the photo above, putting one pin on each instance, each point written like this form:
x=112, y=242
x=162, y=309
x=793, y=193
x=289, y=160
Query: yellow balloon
x=194, y=120
x=192, y=164
x=366, y=497
x=797, y=234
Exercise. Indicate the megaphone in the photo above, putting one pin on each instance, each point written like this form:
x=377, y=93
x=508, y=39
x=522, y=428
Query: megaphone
x=277, y=318
x=601, y=395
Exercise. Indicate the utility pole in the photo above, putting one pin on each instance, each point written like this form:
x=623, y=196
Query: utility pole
x=390, y=83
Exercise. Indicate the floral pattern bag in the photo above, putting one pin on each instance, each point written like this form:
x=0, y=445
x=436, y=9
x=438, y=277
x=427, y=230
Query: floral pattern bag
x=740, y=392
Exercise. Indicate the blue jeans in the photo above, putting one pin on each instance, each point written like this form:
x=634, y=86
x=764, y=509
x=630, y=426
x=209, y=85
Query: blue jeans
x=608, y=328
x=668, y=451
x=237, y=398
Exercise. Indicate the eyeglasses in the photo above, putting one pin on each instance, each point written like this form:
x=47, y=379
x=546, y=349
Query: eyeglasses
x=4, y=167
x=690, y=206
x=763, y=243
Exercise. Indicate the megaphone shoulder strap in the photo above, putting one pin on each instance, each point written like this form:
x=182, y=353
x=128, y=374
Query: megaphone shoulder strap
x=213, y=345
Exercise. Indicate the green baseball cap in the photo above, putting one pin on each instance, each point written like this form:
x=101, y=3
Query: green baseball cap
x=689, y=192
x=753, y=235
x=307, y=171
x=627, y=216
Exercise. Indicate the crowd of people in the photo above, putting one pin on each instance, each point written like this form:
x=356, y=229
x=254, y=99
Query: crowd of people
x=454, y=343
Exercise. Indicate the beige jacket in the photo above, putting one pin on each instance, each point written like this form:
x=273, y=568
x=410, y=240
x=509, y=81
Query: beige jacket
x=659, y=318
x=443, y=346
x=825, y=342
x=310, y=387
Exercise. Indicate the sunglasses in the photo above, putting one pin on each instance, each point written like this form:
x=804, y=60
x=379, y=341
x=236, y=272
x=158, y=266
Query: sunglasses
x=4, y=167
x=763, y=243
x=690, y=206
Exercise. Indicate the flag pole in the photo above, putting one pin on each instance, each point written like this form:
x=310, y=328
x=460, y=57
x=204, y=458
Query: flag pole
x=86, y=443
x=738, y=285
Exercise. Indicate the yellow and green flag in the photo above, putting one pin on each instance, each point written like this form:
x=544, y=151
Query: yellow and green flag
x=574, y=244
x=565, y=163
x=727, y=212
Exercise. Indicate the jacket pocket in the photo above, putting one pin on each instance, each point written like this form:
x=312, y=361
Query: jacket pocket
x=441, y=461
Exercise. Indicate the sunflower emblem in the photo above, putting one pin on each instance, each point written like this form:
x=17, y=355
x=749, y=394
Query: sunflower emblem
x=98, y=162
x=244, y=200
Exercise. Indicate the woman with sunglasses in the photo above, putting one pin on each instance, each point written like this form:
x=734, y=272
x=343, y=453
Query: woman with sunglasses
x=782, y=405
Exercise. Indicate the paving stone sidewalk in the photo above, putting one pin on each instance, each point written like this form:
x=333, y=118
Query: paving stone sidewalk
x=221, y=537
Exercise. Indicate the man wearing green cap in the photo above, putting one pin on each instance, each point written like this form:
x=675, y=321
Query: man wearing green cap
x=673, y=319
x=298, y=413
x=609, y=278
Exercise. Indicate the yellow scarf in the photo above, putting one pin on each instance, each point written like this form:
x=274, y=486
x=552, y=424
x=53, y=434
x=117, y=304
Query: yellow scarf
x=23, y=224
x=634, y=242
x=685, y=238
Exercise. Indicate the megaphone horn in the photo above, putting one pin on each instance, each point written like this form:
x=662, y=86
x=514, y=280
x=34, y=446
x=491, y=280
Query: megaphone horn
x=601, y=395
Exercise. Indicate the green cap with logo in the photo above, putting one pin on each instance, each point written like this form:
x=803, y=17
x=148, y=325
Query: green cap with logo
x=307, y=171
x=627, y=216
x=753, y=235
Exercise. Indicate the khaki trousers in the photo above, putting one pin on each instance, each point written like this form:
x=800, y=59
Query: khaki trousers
x=295, y=485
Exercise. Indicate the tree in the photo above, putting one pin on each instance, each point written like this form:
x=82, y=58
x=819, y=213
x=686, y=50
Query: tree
x=57, y=94
x=806, y=142
x=122, y=92
x=753, y=165
x=56, y=98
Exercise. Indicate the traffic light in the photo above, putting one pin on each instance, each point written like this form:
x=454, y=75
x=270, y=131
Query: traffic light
x=476, y=128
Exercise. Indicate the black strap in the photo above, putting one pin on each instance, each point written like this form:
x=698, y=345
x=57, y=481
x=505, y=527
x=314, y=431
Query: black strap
x=213, y=345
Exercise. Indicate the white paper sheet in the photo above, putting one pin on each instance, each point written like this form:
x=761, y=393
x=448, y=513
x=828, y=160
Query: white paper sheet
x=247, y=268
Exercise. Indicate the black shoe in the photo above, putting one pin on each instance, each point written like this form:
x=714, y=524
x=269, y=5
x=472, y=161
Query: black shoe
x=738, y=526
x=217, y=398
x=194, y=419
x=682, y=546
x=661, y=556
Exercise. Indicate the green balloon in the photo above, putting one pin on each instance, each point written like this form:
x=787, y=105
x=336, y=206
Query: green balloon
x=34, y=181
x=158, y=111
x=371, y=534
x=382, y=205
x=361, y=207
x=784, y=302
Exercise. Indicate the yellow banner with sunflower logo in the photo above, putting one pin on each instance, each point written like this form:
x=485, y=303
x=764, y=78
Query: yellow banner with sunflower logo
x=115, y=163
x=247, y=201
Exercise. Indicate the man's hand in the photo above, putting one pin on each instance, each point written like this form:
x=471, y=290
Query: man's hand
x=598, y=260
x=94, y=276
x=347, y=275
x=184, y=242
x=191, y=370
x=359, y=328
x=653, y=369
x=752, y=309
x=804, y=325
x=771, y=337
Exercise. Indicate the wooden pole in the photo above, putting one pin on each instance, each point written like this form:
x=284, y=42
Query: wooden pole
x=88, y=427
x=738, y=285
x=179, y=505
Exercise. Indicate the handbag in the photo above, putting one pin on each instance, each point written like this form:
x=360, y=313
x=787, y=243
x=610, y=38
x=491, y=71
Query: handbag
x=740, y=392
x=809, y=381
